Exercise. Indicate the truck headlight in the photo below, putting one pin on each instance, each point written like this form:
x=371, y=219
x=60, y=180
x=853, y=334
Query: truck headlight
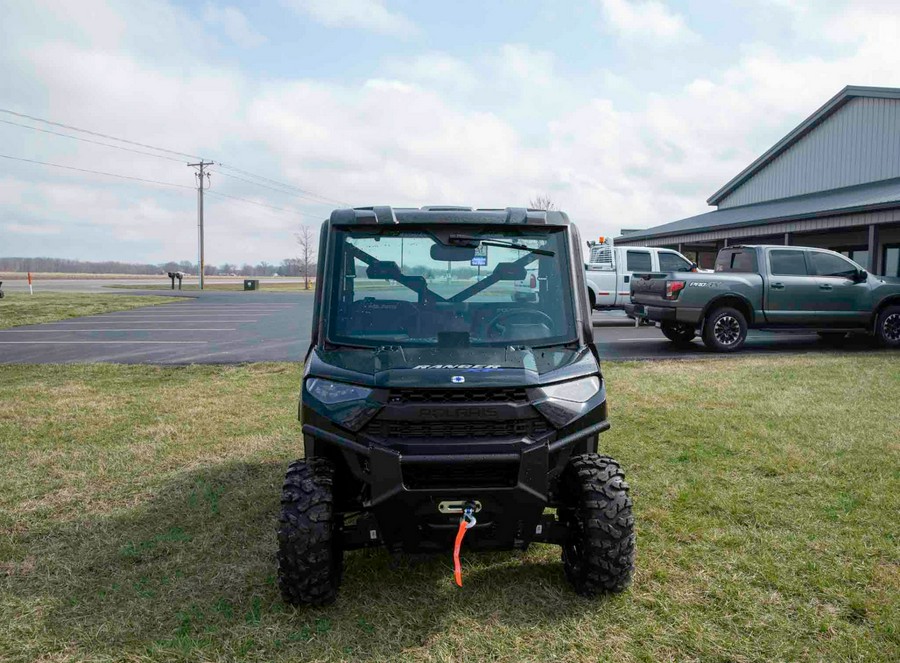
x=332, y=393
x=565, y=402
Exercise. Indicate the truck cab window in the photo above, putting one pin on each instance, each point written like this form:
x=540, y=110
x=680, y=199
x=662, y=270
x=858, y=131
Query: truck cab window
x=639, y=261
x=737, y=261
x=826, y=264
x=671, y=262
x=788, y=263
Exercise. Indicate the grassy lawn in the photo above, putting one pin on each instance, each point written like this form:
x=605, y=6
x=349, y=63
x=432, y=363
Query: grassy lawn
x=20, y=308
x=138, y=509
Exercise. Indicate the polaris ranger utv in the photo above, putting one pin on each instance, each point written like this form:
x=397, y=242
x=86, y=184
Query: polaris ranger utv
x=433, y=405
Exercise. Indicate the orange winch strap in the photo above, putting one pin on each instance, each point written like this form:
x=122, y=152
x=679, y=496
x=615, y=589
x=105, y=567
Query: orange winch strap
x=457, y=569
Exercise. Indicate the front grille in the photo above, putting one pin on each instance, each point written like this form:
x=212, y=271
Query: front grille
x=449, y=475
x=386, y=428
x=416, y=396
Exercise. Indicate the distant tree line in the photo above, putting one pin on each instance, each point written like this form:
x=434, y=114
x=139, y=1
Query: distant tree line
x=288, y=267
x=430, y=273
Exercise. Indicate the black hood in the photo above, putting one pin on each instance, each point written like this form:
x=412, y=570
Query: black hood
x=439, y=367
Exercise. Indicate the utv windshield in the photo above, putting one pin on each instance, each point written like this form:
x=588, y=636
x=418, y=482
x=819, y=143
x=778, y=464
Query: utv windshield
x=451, y=286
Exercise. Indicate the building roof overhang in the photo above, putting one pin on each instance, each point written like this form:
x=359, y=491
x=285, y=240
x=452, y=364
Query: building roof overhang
x=860, y=198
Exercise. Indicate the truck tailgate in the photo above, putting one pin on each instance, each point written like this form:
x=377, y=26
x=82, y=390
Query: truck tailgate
x=648, y=288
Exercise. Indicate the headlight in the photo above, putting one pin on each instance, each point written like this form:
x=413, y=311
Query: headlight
x=332, y=393
x=565, y=402
x=576, y=391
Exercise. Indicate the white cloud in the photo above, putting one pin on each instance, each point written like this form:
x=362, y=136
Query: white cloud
x=233, y=24
x=491, y=128
x=31, y=229
x=434, y=68
x=645, y=20
x=371, y=15
x=526, y=66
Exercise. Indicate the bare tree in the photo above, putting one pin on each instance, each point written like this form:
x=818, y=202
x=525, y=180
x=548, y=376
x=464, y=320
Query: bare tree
x=542, y=201
x=307, y=240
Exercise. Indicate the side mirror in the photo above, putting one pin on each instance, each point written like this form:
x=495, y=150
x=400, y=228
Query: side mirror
x=861, y=276
x=695, y=267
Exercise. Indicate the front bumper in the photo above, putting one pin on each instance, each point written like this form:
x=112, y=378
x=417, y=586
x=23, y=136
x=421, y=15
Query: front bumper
x=406, y=488
x=679, y=314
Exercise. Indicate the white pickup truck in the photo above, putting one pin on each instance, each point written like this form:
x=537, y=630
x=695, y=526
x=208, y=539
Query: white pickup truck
x=609, y=269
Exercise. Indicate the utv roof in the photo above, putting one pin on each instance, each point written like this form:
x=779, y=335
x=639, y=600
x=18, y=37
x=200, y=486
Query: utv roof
x=434, y=214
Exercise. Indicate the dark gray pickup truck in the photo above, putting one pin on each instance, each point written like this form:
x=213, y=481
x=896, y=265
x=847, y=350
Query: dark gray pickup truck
x=777, y=288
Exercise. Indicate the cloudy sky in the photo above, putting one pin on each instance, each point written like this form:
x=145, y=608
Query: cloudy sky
x=627, y=113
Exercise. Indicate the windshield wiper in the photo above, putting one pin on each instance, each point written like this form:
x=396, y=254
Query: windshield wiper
x=468, y=239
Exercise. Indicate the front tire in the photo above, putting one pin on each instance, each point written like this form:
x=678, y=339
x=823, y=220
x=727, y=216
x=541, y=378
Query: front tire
x=599, y=553
x=887, y=329
x=310, y=559
x=725, y=330
x=679, y=334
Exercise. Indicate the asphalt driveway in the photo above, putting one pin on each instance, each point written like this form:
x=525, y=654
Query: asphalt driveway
x=238, y=327
x=213, y=327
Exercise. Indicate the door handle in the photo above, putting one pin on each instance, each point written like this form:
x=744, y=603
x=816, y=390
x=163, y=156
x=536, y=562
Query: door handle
x=777, y=286
x=825, y=286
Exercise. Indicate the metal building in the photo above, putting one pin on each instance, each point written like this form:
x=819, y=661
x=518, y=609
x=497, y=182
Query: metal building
x=833, y=182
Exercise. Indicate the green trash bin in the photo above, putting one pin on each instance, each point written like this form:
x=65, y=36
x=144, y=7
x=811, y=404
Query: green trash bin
x=251, y=284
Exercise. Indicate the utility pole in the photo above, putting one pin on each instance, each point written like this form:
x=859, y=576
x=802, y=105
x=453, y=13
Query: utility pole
x=200, y=189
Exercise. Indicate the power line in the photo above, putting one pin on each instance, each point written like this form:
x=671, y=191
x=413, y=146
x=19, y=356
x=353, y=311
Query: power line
x=97, y=172
x=271, y=188
x=98, y=134
x=281, y=184
x=254, y=202
x=179, y=186
x=95, y=142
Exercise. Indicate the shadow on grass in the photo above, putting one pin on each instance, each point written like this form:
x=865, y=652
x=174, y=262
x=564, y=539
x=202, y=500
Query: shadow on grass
x=191, y=570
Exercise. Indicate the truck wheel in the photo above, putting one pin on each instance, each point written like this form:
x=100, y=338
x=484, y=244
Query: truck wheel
x=599, y=553
x=887, y=329
x=678, y=333
x=310, y=559
x=725, y=330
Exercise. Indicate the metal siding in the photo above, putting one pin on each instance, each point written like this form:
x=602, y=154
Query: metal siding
x=858, y=144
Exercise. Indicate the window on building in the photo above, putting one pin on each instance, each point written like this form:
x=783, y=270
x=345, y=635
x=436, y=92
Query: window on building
x=892, y=260
x=672, y=262
x=828, y=264
x=788, y=263
x=639, y=261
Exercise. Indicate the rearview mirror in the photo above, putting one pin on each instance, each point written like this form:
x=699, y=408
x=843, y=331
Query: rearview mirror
x=510, y=271
x=445, y=253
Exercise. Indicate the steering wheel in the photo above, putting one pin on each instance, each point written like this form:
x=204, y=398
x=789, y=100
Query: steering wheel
x=503, y=315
